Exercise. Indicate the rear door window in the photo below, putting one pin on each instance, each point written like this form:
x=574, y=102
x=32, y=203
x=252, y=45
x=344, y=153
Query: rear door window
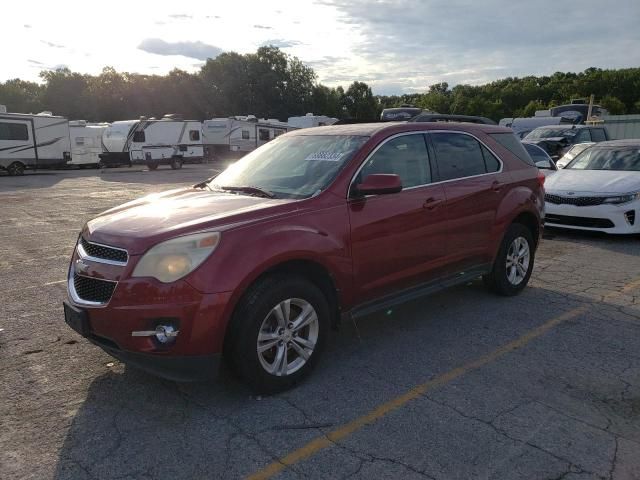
x=582, y=136
x=598, y=135
x=458, y=155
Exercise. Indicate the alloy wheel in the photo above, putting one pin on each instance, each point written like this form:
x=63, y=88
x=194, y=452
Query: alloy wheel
x=287, y=337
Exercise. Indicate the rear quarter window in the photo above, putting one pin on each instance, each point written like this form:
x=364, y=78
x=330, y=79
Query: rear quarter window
x=514, y=145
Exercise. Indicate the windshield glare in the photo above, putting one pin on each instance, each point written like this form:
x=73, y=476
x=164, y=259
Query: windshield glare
x=551, y=133
x=297, y=166
x=627, y=159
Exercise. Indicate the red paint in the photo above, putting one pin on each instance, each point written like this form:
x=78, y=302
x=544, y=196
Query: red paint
x=370, y=246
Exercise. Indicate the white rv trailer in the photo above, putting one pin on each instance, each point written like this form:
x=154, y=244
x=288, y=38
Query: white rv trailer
x=30, y=141
x=235, y=136
x=152, y=142
x=310, y=120
x=86, y=142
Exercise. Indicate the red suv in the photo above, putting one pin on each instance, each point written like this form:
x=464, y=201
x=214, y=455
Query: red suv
x=260, y=261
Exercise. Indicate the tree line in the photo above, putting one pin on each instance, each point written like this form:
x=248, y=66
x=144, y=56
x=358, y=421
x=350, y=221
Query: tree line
x=273, y=84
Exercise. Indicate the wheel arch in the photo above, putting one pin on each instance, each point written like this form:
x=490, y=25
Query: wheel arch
x=314, y=271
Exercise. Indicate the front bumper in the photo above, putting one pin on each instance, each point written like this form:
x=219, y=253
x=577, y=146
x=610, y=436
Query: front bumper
x=614, y=219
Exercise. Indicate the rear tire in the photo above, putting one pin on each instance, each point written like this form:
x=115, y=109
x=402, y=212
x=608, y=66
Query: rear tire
x=278, y=333
x=15, y=169
x=176, y=163
x=514, y=263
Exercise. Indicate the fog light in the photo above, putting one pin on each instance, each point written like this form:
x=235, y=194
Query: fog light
x=630, y=216
x=166, y=333
x=163, y=333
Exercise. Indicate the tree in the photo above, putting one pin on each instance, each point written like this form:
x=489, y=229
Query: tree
x=360, y=103
x=531, y=108
x=613, y=104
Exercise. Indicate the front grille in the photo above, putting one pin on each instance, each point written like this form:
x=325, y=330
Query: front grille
x=577, y=201
x=588, y=222
x=93, y=289
x=104, y=252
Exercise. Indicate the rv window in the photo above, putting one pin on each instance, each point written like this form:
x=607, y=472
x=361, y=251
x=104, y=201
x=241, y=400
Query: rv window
x=13, y=131
x=264, y=134
x=245, y=134
x=139, y=136
x=194, y=135
x=79, y=140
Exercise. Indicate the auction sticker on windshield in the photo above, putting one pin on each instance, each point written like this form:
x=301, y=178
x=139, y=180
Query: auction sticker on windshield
x=325, y=156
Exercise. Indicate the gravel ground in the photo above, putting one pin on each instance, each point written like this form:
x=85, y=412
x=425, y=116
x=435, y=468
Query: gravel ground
x=463, y=384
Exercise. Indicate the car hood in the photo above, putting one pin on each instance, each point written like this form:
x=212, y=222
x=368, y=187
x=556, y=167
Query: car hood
x=593, y=181
x=144, y=222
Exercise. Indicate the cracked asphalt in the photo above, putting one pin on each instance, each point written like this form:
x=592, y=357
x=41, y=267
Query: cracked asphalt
x=563, y=403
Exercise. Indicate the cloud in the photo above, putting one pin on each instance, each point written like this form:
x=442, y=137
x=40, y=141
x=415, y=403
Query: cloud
x=35, y=62
x=181, y=16
x=408, y=45
x=51, y=44
x=198, y=50
x=281, y=43
x=26, y=26
x=263, y=27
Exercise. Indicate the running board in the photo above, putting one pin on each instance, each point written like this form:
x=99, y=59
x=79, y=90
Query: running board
x=416, y=292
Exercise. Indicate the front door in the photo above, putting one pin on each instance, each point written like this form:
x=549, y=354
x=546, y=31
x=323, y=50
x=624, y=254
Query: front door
x=398, y=240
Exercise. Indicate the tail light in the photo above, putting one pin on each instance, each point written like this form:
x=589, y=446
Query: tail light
x=541, y=179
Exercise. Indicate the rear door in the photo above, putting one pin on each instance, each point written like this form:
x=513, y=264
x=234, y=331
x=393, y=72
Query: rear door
x=398, y=240
x=474, y=185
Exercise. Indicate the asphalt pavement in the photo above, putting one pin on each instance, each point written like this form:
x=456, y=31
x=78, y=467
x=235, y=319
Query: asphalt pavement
x=460, y=385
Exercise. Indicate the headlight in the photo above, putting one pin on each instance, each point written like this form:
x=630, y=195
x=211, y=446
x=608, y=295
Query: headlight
x=622, y=198
x=171, y=260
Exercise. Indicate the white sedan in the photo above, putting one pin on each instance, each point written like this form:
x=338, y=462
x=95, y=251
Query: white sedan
x=599, y=190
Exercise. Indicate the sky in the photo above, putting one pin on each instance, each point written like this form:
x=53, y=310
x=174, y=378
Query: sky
x=396, y=46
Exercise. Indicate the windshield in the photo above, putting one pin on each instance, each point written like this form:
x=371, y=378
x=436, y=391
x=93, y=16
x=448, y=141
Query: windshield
x=627, y=159
x=297, y=166
x=551, y=133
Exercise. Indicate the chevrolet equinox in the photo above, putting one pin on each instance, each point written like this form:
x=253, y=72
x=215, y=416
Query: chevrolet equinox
x=257, y=263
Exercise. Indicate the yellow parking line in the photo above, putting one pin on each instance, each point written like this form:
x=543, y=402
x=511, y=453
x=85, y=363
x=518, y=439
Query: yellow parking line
x=328, y=439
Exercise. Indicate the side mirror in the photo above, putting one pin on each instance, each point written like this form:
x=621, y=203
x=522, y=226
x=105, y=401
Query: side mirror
x=379, y=184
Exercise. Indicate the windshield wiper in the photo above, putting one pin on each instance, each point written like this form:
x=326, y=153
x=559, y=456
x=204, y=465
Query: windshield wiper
x=249, y=190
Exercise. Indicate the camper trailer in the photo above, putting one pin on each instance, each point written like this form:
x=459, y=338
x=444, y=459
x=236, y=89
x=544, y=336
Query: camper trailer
x=168, y=141
x=235, y=136
x=33, y=141
x=86, y=142
x=310, y=120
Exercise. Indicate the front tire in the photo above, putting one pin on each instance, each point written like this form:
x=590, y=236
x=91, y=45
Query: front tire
x=514, y=263
x=151, y=165
x=279, y=331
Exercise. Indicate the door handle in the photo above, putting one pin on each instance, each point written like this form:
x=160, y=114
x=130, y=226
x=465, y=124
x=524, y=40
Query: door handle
x=432, y=202
x=496, y=186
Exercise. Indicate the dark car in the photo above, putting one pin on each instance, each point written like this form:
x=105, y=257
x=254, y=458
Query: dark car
x=319, y=224
x=398, y=114
x=439, y=117
x=558, y=139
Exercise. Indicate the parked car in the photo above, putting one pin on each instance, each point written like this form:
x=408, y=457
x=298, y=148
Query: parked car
x=439, y=117
x=541, y=158
x=558, y=139
x=573, y=153
x=257, y=263
x=599, y=190
x=397, y=114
